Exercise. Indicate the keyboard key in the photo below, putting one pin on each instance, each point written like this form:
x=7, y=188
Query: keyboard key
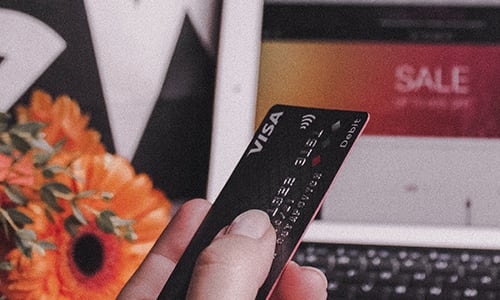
x=411, y=266
x=402, y=254
x=399, y=273
x=345, y=262
x=478, y=258
x=460, y=282
x=387, y=278
x=334, y=287
x=435, y=292
x=471, y=293
x=379, y=264
x=476, y=269
x=419, y=279
x=355, y=276
x=408, y=294
x=444, y=267
x=374, y=292
x=487, y=283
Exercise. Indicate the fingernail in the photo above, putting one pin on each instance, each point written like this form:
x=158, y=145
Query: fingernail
x=252, y=223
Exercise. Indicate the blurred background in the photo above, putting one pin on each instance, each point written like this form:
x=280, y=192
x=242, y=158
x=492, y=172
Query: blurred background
x=142, y=70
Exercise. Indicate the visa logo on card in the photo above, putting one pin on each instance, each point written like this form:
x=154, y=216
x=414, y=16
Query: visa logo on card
x=265, y=132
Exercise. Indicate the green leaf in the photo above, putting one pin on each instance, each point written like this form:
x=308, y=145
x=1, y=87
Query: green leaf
x=15, y=194
x=50, y=199
x=78, y=213
x=4, y=121
x=6, y=149
x=49, y=216
x=85, y=194
x=6, y=266
x=130, y=234
x=20, y=143
x=3, y=128
x=104, y=222
x=121, y=222
x=4, y=117
x=41, y=246
x=107, y=196
x=71, y=225
x=48, y=173
x=24, y=241
x=47, y=245
x=51, y=171
x=59, y=144
x=41, y=158
x=25, y=250
x=38, y=249
x=26, y=235
x=5, y=226
x=19, y=217
x=40, y=143
x=57, y=187
x=31, y=128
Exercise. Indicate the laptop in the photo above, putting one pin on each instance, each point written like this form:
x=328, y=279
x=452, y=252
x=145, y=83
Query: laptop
x=424, y=177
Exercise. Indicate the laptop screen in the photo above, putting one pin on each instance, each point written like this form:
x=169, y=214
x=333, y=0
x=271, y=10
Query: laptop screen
x=429, y=77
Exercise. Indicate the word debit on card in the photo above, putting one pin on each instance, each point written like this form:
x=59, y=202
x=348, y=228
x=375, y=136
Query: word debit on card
x=286, y=171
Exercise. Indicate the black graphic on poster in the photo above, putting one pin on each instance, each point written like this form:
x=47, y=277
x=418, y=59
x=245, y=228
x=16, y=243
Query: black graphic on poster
x=174, y=148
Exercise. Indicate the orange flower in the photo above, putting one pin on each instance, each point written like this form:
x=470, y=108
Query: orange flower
x=92, y=264
x=64, y=121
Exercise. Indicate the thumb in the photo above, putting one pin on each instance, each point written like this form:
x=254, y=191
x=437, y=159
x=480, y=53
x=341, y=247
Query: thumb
x=237, y=262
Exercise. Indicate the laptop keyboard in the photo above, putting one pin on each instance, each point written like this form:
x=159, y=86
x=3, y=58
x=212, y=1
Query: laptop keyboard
x=380, y=272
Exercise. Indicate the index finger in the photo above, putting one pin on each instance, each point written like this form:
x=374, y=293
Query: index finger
x=148, y=281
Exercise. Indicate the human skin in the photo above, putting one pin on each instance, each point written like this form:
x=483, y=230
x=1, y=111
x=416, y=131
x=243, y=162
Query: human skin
x=233, y=266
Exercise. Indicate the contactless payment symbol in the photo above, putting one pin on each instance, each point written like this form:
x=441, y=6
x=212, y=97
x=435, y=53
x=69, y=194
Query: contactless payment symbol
x=306, y=121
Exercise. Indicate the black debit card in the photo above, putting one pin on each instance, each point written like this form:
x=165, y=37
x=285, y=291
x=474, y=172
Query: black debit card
x=286, y=171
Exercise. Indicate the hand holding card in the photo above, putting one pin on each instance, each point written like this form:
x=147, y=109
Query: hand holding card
x=286, y=171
